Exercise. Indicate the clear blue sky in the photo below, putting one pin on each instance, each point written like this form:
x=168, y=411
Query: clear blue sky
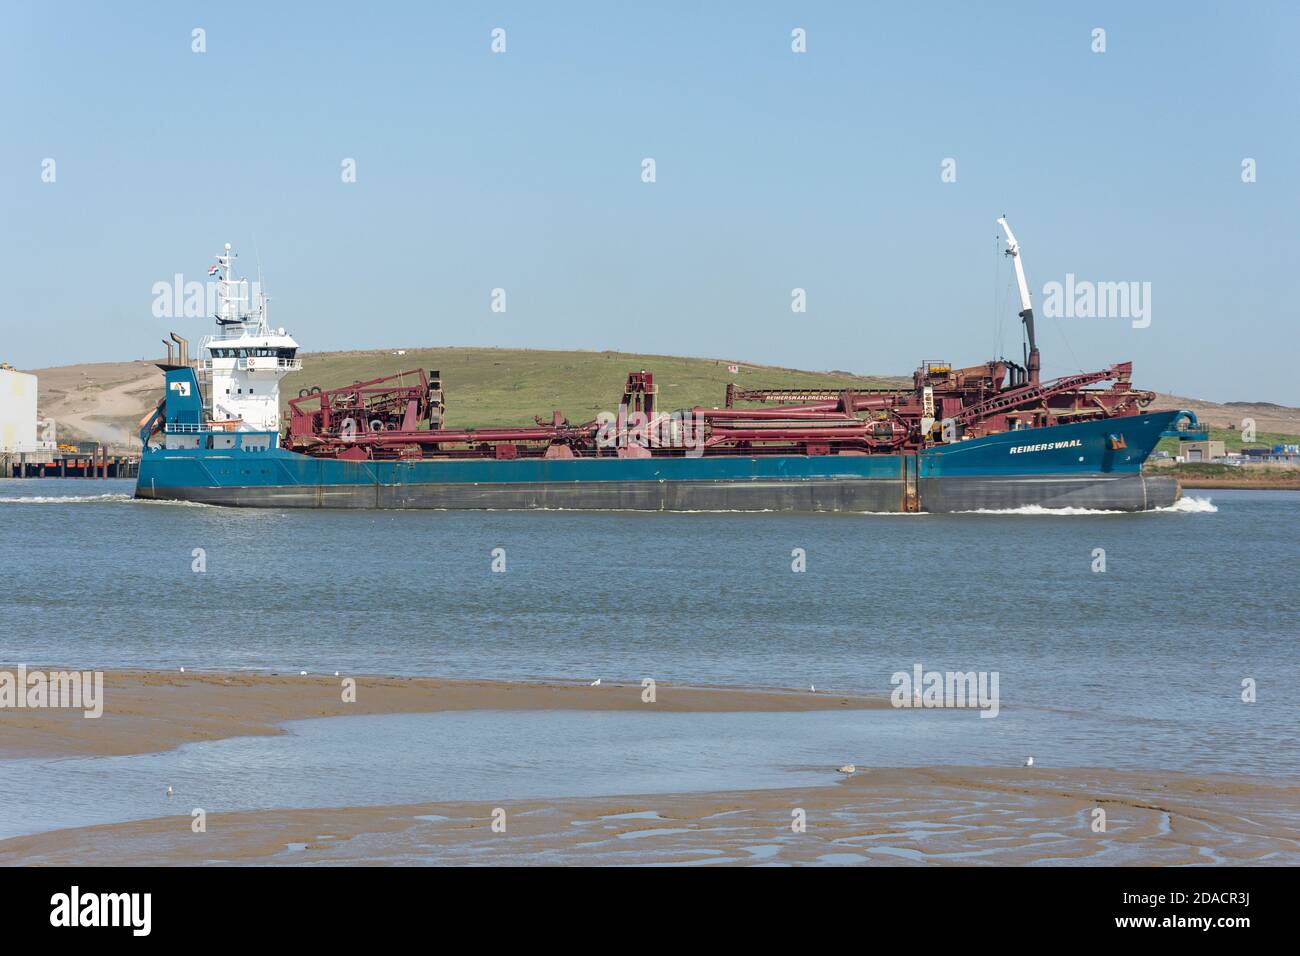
x=775, y=171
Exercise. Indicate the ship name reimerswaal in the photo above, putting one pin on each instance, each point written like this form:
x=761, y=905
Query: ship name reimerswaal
x=1046, y=446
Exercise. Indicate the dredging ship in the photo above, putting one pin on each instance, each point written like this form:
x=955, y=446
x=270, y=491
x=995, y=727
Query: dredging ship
x=991, y=436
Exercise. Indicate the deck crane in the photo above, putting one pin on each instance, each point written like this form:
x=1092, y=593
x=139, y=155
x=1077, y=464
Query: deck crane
x=1026, y=307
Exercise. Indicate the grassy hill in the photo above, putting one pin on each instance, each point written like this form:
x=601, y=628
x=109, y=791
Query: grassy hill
x=105, y=401
x=510, y=386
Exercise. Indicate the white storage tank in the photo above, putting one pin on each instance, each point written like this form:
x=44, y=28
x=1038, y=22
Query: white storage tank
x=17, y=412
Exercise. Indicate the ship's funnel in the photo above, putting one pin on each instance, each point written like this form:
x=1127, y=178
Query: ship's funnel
x=183, y=344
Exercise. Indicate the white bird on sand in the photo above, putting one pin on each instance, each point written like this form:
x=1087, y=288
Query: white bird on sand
x=169, y=789
x=812, y=689
x=1029, y=762
x=336, y=673
x=595, y=683
x=302, y=673
x=182, y=670
x=848, y=768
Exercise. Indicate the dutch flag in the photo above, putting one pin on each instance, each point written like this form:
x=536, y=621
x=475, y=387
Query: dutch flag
x=214, y=270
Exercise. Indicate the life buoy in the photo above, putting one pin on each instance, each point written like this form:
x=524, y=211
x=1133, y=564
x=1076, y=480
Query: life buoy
x=252, y=362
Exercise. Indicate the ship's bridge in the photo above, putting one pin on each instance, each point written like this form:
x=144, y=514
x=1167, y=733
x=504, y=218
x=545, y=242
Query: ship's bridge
x=250, y=350
x=242, y=367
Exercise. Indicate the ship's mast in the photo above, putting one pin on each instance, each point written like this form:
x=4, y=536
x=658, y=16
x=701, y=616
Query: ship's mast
x=1026, y=307
x=232, y=295
x=228, y=292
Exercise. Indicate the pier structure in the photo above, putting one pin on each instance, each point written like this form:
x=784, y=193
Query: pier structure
x=94, y=463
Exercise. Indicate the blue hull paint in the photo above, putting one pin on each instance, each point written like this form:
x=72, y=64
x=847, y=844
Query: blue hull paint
x=1031, y=466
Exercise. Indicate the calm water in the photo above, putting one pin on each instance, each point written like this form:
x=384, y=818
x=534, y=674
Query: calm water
x=1138, y=666
x=499, y=757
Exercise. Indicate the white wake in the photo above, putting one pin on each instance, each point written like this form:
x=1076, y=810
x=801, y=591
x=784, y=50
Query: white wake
x=118, y=498
x=62, y=499
x=1192, y=506
x=1183, y=505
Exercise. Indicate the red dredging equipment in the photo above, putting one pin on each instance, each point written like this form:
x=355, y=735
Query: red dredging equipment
x=401, y=417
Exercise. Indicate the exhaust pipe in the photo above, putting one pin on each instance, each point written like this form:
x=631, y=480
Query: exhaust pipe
x=168, y=343
x=183, y=344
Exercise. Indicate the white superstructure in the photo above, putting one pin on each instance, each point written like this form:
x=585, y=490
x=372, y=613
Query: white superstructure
x=243, y=362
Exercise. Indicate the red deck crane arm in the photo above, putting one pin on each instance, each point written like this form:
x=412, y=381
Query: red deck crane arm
x=1016, y=397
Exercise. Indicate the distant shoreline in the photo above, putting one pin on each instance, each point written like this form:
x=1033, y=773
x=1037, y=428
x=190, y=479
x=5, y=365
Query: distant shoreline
x=1227, y=485
x=1211, y=476
x=1227, y=477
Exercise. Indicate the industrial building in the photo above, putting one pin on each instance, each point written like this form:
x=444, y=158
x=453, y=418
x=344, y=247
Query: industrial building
x=1277, y=455
x=1201, y=450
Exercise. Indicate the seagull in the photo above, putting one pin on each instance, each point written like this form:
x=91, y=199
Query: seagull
x=812, y=689
x=302, y=673
x=595, y=683
x=336, y=673
x=182, y=670
x=169, y=789
x=1029, y=762
x=848, y=768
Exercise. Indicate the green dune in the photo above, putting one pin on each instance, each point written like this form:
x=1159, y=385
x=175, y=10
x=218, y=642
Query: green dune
x=509, y=386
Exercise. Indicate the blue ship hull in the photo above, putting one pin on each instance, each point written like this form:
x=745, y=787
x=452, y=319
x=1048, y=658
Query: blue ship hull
x=1095, y=464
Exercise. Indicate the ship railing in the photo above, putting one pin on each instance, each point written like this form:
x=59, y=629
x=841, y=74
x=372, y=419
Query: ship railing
x=192, y=428
x=243, y=330
x=257, y=363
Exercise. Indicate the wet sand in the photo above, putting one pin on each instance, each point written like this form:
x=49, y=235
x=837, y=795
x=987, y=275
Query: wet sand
x=152, y=711
x=950, y=815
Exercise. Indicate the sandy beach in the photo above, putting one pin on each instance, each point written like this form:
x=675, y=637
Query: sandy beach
x=151, y=711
